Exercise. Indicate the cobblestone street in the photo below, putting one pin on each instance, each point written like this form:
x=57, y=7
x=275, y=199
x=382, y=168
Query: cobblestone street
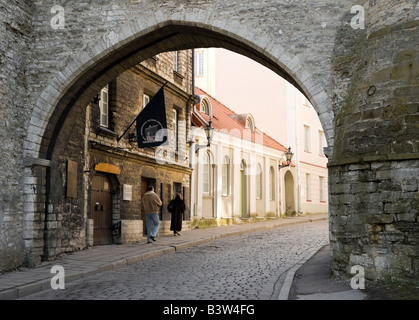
x=245, y=267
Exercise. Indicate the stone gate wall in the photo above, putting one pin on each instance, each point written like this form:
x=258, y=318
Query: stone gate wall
x=374, y=172
x=14, y=33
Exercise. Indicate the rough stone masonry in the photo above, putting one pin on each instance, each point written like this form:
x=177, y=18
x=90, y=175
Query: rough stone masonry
x=359, y=68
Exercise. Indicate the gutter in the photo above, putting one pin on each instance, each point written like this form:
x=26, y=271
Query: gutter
x=197, y=97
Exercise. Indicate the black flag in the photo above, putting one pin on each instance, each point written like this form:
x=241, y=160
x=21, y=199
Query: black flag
x=152, y=123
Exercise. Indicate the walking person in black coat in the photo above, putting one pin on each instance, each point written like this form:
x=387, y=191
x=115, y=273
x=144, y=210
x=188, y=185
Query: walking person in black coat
x=177, y=215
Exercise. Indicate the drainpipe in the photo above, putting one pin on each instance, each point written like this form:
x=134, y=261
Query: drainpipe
x=297, y=146
x=197, y=97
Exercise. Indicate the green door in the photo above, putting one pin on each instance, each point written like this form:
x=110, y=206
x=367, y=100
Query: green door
x=243, y=193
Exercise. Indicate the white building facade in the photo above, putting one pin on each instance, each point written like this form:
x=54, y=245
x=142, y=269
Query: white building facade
x=307, y=138
x=286, y=114
x=239, y=175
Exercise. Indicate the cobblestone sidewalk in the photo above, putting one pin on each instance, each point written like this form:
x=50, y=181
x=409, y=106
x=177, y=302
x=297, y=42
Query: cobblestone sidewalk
x=84, y=263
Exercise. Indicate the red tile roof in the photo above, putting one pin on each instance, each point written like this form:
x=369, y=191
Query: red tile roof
x=226, y=120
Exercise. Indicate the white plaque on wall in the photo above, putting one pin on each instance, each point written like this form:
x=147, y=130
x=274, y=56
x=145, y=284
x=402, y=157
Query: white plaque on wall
x=127, y=192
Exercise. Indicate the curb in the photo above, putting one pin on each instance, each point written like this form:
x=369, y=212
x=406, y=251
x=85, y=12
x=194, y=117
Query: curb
x=286, y=286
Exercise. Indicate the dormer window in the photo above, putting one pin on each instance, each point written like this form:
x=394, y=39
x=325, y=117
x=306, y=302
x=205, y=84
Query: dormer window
x=250, y=123
x=246, y=120
x=204, y=107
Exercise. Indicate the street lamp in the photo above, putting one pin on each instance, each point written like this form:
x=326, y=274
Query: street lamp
x=209, y=132
x=288, y=156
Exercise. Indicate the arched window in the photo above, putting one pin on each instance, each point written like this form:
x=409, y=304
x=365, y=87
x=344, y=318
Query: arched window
x=206, y=173
x=225, y=176
x=205, y=106
x=259, y=181
x=271, y=184
x=250, y=123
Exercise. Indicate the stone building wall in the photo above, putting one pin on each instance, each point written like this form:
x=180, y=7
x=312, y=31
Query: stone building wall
x=15, y=28
x=69, y=225
x=374, y=171
x=374, y=220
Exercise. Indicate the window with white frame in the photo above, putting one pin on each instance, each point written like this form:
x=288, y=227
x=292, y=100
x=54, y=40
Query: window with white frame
x=104, y=106
x=146, y=100
x=206, y=173
x=176, y=61
x=204, y=106
x=199, y=63
x=259, y=181
x=308, y=187
x=271, y=184
x=307, y=138
x=225, y=174
x=175, y=129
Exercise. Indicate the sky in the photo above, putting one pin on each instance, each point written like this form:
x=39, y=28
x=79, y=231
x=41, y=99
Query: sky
x=245, y=86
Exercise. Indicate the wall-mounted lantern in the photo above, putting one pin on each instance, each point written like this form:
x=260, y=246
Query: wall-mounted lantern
x=288, y=156
x=209, y=132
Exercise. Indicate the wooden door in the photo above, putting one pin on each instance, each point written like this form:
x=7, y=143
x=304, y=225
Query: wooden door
x=101, y=206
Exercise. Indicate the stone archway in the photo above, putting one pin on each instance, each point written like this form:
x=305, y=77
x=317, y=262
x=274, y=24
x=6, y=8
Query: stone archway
x=170, y=36
x=362, y=82
x=78, y=82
